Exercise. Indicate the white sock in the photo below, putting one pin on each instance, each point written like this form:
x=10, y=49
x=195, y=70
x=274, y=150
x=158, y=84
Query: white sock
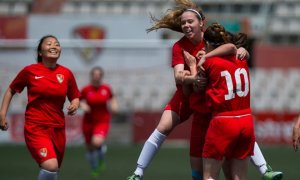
x=47, y=175
x=258, y=160
x=151, y=147
x=92, y=158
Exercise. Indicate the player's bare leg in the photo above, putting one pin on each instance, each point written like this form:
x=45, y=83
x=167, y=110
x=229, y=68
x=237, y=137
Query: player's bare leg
x=226, y=167
x=211, y=168
x=239, y=169
x=197, y=168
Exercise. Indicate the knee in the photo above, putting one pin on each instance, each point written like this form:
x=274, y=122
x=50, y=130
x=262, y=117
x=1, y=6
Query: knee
x=97, y=142
x=50, y=165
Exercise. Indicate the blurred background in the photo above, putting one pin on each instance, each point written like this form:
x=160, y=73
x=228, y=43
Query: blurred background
x=112, y=34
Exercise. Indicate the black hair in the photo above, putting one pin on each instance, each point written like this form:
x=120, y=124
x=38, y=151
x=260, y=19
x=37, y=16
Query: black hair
x=39, y=47
x=97, y=68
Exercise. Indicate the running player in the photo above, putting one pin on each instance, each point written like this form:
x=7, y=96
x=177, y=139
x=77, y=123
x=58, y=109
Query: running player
x=96, y=121
x=48, y=84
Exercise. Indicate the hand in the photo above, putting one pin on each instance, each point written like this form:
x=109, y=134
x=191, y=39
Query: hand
x=201, y=82
x=181, y=75
x=72, y=109
x=296, y=139
x=85, y=107
x=241, y=53
x=3, y=123
x=200, y=54
x=200, y=63
x=189, y=59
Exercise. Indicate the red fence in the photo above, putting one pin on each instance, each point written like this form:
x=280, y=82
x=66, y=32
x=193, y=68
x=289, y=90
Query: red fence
x=270, y=127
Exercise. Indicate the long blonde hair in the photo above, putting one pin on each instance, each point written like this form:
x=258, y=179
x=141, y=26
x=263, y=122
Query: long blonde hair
x=171, y=19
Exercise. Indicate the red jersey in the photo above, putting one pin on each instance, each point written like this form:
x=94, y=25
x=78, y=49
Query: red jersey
x=47, y=90
x=184, y=44
x=228, y=89
x=196, y=100
x=97, y=98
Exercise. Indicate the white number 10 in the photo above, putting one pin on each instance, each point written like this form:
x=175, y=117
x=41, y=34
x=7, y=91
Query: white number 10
x=237, y=75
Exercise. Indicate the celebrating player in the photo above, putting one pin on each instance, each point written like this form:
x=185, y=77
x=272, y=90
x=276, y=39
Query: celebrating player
x=96, y=120
x=178, y=110
x=231, y=131
x=48, y=84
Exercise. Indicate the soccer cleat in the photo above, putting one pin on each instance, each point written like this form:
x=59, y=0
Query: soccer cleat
x=96, y=172
x=272, y=175
x=134, y=177
x=102, y=165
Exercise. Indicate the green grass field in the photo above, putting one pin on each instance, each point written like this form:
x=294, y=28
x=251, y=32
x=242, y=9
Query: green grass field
x=169, y=164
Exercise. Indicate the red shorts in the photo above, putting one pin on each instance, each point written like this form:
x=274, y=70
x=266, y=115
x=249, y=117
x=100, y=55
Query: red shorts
x=180, y=104
x=90, y=129
x=230, y=138
x=45, y=142
x=200, y=125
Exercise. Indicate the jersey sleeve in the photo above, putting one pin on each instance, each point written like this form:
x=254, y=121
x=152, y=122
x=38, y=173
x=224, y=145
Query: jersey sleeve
x=83, y=93
x=111, y=94
x=20, y=81
x=177, y=56
x=73, y=91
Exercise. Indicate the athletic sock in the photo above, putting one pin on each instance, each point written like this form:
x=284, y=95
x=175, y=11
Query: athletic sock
x=197, y=175
x=151, y=147
x=92, y=158
x=258, y=160
x=101, y=152
x=47, y=175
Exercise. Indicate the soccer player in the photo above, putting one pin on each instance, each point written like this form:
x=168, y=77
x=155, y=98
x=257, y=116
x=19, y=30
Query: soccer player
x=240, y=40
x=178, y=110
x=230, y=134
x=48, y=84
x=96, y=121
x=296, y=136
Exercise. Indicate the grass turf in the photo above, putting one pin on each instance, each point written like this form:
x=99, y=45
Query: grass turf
x=169, y=164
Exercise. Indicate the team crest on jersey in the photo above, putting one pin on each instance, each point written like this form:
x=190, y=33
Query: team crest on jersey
x=60, y=78
x=103, y=92
x=43, y=152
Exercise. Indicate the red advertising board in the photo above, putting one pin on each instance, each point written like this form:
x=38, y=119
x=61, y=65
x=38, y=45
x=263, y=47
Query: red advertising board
x=270, y=127
x=145, y=122
x=13, y=27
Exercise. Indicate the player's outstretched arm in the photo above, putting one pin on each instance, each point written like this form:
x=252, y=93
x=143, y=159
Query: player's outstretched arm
x=296, y=137
x=4, y=108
